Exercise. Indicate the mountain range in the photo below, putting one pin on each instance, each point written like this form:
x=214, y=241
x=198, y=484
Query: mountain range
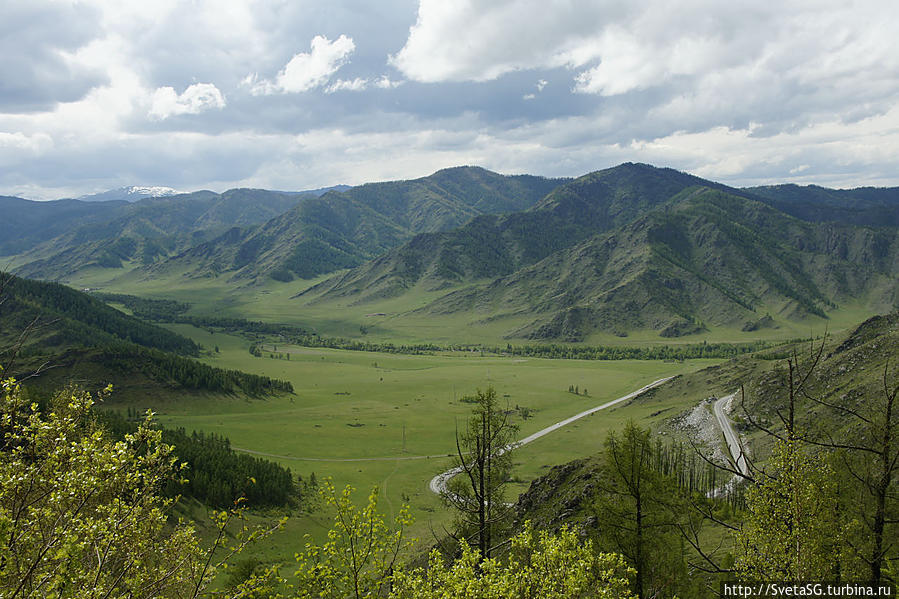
x=630, y=247
x=636, y=247
x=131, y=193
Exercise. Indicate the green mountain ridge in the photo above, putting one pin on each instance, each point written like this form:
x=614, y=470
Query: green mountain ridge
x=634, y=247
x=26, y=224
x=150, y=230
x=344, y=229
x=53, y=335
x=869, y=206
x=492, y=246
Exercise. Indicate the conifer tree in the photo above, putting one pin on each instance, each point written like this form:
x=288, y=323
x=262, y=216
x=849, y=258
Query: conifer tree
x=484, y=462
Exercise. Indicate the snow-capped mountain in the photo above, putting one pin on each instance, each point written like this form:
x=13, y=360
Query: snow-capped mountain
x=131, y=193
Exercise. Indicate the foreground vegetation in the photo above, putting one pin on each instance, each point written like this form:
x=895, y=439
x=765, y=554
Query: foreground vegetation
x=109, y=534
x=100, y=530
x=387, y=420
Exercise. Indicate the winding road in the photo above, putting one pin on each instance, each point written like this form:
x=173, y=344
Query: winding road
x=730, y=435
x=439, y=482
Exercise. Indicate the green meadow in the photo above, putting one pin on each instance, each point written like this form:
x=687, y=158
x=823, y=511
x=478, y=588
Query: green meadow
x=388, y=420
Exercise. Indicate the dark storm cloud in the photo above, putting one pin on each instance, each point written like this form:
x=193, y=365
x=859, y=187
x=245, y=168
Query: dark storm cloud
x=34, y=71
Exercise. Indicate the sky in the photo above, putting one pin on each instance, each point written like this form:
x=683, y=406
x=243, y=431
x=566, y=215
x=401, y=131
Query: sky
x=294, y=94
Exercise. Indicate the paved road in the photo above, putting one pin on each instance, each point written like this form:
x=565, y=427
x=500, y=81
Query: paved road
x=730, y=435
x=439, y=482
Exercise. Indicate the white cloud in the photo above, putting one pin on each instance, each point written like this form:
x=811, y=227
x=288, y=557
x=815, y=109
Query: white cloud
x=194, y=100
x=307, y=70
x=18, y=147
x=480, y=40
x=743, y=92
x=353, y=85
x=615, y=48
x=385, y=82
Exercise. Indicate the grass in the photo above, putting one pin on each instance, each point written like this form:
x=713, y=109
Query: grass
x=352, y=405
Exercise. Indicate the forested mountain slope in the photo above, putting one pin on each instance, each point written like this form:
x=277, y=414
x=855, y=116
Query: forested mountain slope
x=344, y=229
x=868, y=206
x=495, y=245
x=25, y=224
x=636, y=247
x=150, y=230
x=61, y=334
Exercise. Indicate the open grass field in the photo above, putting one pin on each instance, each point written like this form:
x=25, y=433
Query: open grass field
x=368, y=419
x=389, y=420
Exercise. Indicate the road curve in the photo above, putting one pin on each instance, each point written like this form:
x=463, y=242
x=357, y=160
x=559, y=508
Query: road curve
x=730, y=435
x=439, y=482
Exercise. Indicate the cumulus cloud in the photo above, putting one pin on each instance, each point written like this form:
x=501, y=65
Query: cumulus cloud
x=194, y=100
x=615, y=48
x=307, y=70
x=17, y=147
x=482, y=40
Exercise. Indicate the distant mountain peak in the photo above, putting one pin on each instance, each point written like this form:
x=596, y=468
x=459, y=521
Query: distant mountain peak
x=153, y=191
x=131, y=193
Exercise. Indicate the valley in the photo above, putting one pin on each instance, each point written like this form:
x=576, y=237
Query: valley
x=343, y=333
x=362, y=406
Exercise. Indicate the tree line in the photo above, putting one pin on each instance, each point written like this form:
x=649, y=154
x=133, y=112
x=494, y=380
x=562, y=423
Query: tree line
x=187, y=373
x=80, y=318
x=216, y=474
x=173, y=311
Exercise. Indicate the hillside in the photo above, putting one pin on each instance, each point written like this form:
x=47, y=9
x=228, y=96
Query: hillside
x=146, y=231
x=25, y=224
x=636, y=248
x=850, y=375
x=709, y=258
x=848, y=383
x=493, y=246
x=63, y=318
x=343, y=229
x=869, y=206
x=51, y=335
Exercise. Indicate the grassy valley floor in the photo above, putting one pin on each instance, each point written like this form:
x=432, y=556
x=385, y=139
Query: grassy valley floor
x=368, y=419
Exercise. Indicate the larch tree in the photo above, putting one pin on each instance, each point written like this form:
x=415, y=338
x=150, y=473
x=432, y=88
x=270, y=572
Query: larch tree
x=484, y=464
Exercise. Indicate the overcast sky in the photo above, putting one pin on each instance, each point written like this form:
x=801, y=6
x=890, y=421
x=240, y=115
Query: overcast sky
x=288, y=94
